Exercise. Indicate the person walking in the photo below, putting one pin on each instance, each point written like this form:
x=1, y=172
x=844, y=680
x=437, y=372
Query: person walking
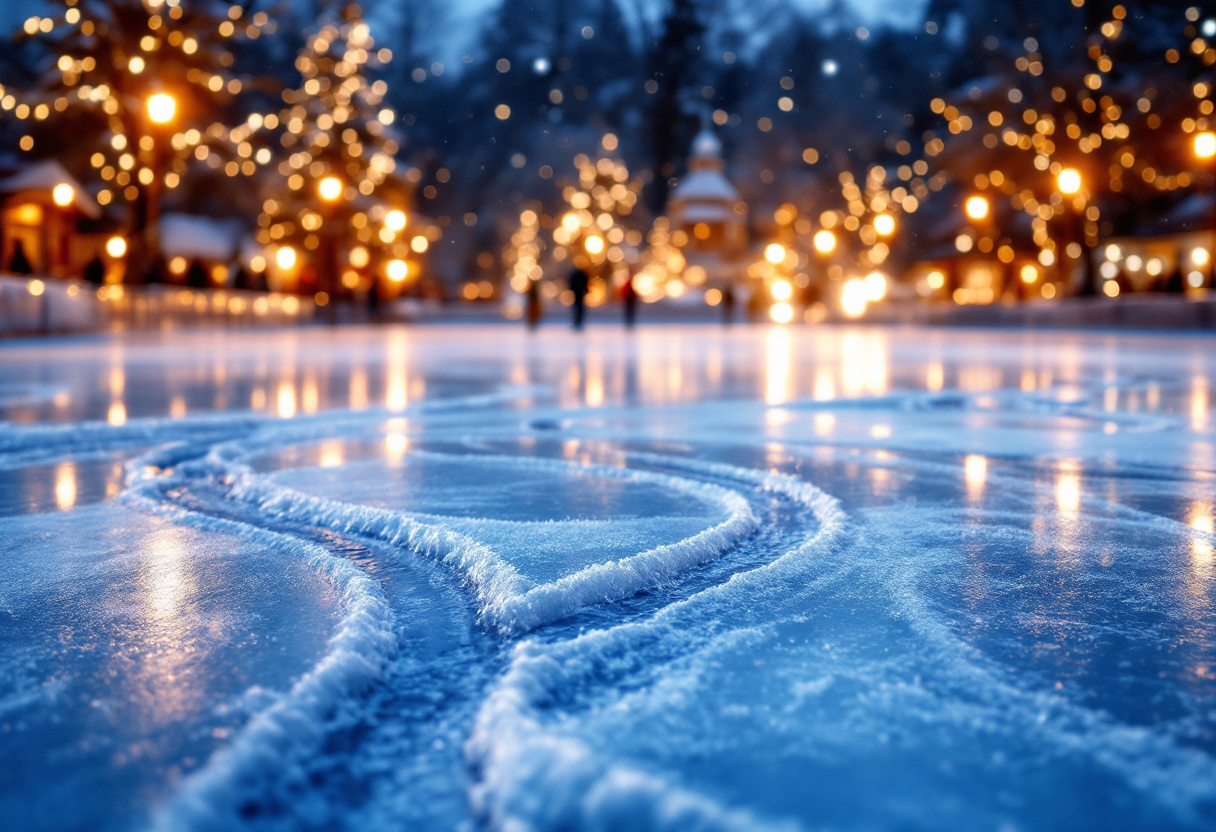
x=534, y=308
x=728, y=304
x=629, y=299
x=579, y=283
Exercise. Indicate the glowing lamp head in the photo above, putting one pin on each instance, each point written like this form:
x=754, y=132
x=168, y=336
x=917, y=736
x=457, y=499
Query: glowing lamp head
x=329, y=188
x=395, y=220
x=1205, y=145
x=774, y=253
x=825, y=241
x=1069, y=181
x=976, y=208
x=285, y=257
x=63, y=194
x=398, y=270
x=161, y=108
x=884, y=225
x=116, y=247
x=594, y=244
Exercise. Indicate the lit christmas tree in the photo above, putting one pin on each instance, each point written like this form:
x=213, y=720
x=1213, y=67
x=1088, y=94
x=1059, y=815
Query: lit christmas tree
x=596, y=232
x=1049, y=155
x=339, y=196
x=127, y=75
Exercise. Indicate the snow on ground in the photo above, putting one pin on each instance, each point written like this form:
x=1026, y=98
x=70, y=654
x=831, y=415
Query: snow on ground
x=684, y=578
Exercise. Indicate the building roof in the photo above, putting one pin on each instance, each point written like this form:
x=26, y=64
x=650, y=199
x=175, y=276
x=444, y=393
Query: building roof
x=201, y=238
x=44, y=176
x=705, y=186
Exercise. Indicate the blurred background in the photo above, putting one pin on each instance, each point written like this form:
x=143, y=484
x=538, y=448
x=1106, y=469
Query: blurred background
x=170, y=162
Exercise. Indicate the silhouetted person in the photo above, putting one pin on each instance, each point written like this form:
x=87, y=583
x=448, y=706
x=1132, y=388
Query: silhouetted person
x=534, y=308
x=19, y=263
x=196, y=275
x=155, y=273
x=95, y=271
x=629, y=297
x=241, y=279
x=579, y=283
x=728, y=305
x=373, y=300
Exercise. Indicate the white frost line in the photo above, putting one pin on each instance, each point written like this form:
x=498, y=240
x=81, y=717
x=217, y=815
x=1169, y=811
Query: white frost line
x=507, y=599
x=295, y=723
x=517, y=754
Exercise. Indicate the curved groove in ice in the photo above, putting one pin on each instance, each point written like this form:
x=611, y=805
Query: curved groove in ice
x=517, y=757
x=506, y=599
x=294, y=723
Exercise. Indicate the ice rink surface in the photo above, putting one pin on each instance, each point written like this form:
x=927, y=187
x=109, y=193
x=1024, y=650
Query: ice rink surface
x=680, y=578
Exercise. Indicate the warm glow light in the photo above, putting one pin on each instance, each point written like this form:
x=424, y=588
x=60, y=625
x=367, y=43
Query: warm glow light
x=1029, y=274
x=285, y=257
x=1200, y=256
x=875, y=286
x=329, y=188
x=781, y=313
x=398, y=270
x=63, y=194
x=782, y=290
x=884, y=225
x=594, y=244
x=853, y=298
x=825, y=241
x=359, y=257
x=161, y=108
x=976, y=207
x=1205, y=145
x=395, y=220
x=1069, y=181
x=936, y=280
x=774, y=253
x=116, y=247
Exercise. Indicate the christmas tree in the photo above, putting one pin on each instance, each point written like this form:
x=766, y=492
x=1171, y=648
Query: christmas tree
x=338, y=195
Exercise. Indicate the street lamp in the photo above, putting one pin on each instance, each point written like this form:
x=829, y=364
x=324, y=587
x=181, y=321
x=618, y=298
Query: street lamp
x=161, y=109
x=330, y=189
x=1069, y=183
x=1205, y=151
x=63, y=194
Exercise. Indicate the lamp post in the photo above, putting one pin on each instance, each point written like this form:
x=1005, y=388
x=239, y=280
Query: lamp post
x=1069, y=183
x=329, y=190
x=161, y=109
x=1205, y=151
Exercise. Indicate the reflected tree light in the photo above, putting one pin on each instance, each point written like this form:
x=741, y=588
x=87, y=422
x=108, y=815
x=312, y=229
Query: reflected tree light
x=286, y=401
x=65, y=485
x=331, y=454
x=117, y=414
x=777, y=346
x=1068, y=493
x=1202, y=552
x=975, y=473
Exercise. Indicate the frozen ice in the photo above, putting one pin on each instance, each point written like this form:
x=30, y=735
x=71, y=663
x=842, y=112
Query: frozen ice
x=680, y=578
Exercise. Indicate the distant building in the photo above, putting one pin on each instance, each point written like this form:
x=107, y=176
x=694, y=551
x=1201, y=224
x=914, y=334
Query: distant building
x=55, y=229
x=708, y=219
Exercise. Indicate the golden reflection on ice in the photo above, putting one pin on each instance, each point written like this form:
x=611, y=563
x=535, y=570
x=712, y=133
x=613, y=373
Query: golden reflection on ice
x=310, y=398
x=777, y=366
x=975, y=473
x=117, y=414
x=65, y=485
x=1068, y=491
x=1202, y=554
x=1199, y=402
x=825, y=386
x=935, y=377
x=177, y=407
x=863, y=364
x=331, y=454
x=395, y=446
x=118, y=383
x=396, y=385
x=881, y=431
x=286, y=401
x=164, y=575
x=1028, y=381
x=358, y=390
x=593, y=393
x=825, y=423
